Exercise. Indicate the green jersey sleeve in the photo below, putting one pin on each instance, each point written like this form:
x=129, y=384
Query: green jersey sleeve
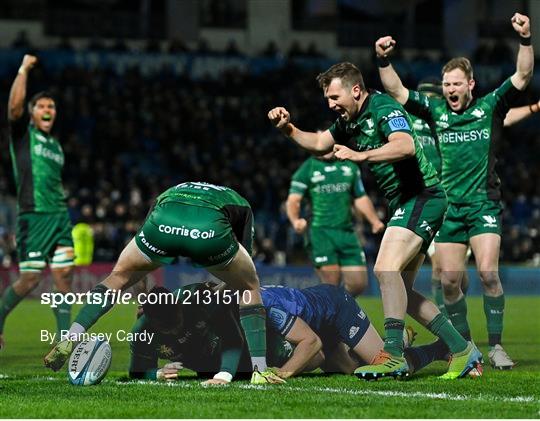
x=390, y=116
x=503, y=98
x=300, y=180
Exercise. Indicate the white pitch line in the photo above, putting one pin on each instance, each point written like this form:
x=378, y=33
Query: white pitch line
x=392, y=393
x=341, y=391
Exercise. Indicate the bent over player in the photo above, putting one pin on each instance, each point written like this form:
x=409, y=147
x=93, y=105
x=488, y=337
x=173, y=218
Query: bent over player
x=213, y=226
x=379, y=130
x=43, y=226
x=469, y=130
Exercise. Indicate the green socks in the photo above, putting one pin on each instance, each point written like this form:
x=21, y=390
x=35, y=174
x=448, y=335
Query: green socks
x=393, y=342
x=494, y=310
x=63, y=317
x=457, y=313
x=440, y=326
x=9, y=301
x=253, y=321
x=90, y=313
x=438, y=297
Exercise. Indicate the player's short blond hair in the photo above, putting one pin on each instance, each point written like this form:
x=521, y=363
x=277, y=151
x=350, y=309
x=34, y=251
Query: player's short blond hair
x=348, y=73
x=461, y=63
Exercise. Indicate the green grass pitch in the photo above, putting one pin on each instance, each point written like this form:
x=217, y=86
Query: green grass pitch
x=28, y=390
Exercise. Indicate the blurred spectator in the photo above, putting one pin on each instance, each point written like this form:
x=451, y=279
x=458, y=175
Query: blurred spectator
x=21, y=41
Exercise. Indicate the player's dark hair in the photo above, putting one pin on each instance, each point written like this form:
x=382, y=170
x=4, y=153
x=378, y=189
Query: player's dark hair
x=348, y=73
x=162, y=311
x=461, y=63
x=36, y=97
x=430, y=86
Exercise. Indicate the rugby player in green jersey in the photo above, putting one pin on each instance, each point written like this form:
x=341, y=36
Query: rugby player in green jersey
x=379, y=131
x=43, y=226
x=468, y=130
x=333, y=187
x=213, y=226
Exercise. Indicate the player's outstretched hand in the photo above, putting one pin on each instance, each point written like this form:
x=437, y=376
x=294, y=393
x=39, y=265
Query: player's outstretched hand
x=384, y=46
x=169, y=371
x=300, y=225
x=343, y=153
x=521, y=25
x=29, y=61
x=215, y=382
x=279, y=117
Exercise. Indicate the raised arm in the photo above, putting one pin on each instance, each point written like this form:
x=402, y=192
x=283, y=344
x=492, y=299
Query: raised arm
x=319, y=143
x=17, y=94
x=515, y=115
x=525, y=57
x=389, y=78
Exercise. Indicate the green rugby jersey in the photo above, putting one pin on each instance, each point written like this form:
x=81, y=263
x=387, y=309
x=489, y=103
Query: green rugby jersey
x=379, y=117
x=38, y=161
x=331, y=186
x=427, y=136
x=467, y=140
x=203, y=194
x=207, y=327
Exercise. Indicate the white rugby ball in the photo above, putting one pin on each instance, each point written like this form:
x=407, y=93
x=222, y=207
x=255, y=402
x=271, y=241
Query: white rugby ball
x=89, y=362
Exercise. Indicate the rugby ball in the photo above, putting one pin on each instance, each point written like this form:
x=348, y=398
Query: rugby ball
x=89, y=362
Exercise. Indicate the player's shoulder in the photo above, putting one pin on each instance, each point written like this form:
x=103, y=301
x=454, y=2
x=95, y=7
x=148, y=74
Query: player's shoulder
x=378, y=99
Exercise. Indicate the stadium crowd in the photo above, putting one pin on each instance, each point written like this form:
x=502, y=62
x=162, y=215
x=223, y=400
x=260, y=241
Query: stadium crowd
x=128, y=137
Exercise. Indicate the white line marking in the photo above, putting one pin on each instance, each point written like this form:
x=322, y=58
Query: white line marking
x=342, y=391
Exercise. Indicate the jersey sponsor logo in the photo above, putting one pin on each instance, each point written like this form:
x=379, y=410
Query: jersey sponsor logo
x=193, y=233
x=332, y=188
x=353, y=331
x=150, y=246
x=398, y=123
x=362, y=315
x=478, y=113
x=468, y=136
x=222, y=254
x=443, y=121
x=317, y=176
x=32, y=254
x=201, y=186
x=398, y=214
x=395, y=113
x=426, y=227
x=39, y=150
x=330, y=168
x=41, y=138
x=321, y=259
x=347, y=171
x=491, y=221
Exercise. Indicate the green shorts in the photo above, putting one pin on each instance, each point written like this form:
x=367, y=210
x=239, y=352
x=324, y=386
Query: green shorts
x=467, y=220
x=334, y=246
x=423, y=214
x=205, y=235
x=38, y=236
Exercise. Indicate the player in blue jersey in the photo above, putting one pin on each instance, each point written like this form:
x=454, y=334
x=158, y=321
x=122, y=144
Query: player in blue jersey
x=324, y=323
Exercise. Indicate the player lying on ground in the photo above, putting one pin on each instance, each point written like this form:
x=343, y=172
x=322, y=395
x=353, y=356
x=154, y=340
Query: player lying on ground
x=328, y=329
x=379, y=130
x=333, y=188
x=468, y=130
x=43, y=225
x=199, y=331
x=211, y=225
